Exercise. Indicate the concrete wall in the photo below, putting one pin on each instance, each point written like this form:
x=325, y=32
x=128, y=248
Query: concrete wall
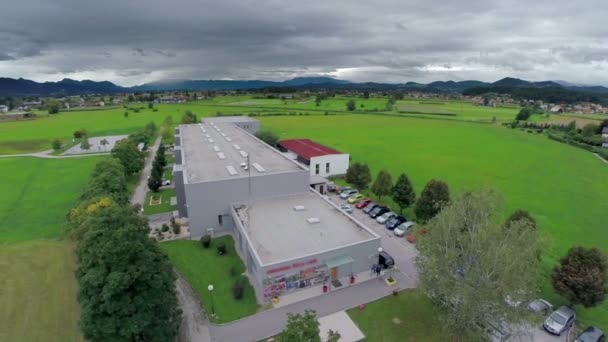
x=338, y=164
x=208, y=200
x=178, y=181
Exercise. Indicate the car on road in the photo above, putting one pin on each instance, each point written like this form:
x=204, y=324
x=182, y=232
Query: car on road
x=560, y=320
x=403, y=228
x=377, y=211
x=363, y=203
x=369, y=207
x=347, y=208
x=348, y=193
x=591, y=334
x=540, y=306
x=356, y=198
x=394, y=221
x=385, y=217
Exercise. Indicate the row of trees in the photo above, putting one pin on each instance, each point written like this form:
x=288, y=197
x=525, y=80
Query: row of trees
x=158, y=167
x=126, y=283
x=436, y=193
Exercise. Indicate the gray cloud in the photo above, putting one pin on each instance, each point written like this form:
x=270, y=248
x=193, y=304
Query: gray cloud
x=131, y=42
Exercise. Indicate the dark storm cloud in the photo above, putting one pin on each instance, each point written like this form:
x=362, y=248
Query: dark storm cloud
x=135, y=41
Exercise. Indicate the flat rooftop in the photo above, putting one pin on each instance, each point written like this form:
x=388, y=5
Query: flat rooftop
x=216, y=151
x=279, y=232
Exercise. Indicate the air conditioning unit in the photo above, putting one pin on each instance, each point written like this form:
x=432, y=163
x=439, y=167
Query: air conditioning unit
x=313, y=220
x=299, y=208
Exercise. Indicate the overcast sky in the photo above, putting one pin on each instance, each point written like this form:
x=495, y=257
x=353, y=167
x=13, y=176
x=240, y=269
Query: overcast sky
x=135, y=41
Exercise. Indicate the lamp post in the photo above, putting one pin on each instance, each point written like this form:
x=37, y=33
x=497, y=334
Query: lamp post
x=210, y=288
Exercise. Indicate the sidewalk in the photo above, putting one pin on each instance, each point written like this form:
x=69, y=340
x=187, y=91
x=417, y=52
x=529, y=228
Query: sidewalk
x=139, y=194
x=269, y=323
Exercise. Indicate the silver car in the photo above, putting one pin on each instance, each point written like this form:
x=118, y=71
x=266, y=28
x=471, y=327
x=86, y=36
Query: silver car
x=560, y=320
x=385, y=217
x=347, y=208
x=348, y=193
x=403, y=228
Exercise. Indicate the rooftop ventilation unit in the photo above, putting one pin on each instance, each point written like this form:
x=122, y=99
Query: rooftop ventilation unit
x=228, y=139
x=258, y=167
x=223, y=134
x=243, y=153
x=207, y=135
x=313, y=220
x=299, y=208
x=210, y=140
x=216, y=148
x=221, y=155
x=218, y=129
x=236, y=147
x=231, y=170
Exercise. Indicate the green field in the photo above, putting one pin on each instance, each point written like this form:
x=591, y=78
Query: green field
x=565, y=188
x=202, y=267
x=416, y=315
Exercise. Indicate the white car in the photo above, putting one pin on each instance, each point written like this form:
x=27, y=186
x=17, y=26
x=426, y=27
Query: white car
x=347, y=208
x=384, y=217
x=167, y=182
x=348, y=193
x=403, y=228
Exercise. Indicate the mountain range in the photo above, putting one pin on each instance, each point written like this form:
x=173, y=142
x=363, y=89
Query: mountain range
x=23, y=87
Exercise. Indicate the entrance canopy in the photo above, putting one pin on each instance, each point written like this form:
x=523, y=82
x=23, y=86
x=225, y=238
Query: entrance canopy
x=339, y=261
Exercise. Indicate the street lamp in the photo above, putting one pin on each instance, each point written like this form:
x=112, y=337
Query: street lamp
x=210, y=288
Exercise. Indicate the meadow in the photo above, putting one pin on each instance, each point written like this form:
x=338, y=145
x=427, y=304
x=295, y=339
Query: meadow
x=564, y=187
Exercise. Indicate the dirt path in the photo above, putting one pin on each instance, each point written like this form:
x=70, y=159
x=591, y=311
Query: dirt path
x=139, y=194
x=47, y=154
x=194, y=326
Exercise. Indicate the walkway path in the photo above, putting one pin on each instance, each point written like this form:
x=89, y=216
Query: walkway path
x=269, y=323
x=47, y=154
x=194, y=326
x=139, y=194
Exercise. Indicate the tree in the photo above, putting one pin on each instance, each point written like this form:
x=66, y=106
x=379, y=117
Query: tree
x=520, y=215
x=126, y=114
x=366, y=94
x=524, y=114
x=383, y=184
x=473, y=268
x=268, y=137
x=333, y=336
x=150, y=105
x=582, y=276
x=104, y=142
x=154, y=182
x=359, y=175
x=590, y=130
x=351, y=105
x=602, y=125
x=403, y=192
x=301, y=328
x=108, y=180
x=85, y=144
x=434, y=196
x=57, y=144
x=129, y=155
x=80, y=133
x=189, y=118
x=52, y=106
x=318, y=99
x=126, y=283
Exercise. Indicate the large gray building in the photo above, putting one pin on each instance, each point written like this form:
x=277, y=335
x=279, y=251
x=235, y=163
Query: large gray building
x=289, y=236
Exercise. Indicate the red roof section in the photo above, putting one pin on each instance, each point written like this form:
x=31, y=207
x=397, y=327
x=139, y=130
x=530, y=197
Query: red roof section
x=306, y=148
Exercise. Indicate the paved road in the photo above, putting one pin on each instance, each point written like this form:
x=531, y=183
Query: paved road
x=194, y=326
x=47, y=154
x=269, y=323
x=600, y=158
x=139, y=194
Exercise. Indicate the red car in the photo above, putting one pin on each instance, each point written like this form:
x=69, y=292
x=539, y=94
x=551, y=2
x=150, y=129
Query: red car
x=363, y=203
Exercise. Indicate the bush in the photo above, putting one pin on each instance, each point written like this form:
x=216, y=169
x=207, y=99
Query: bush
x=221, y=248
x=164, y=228
x=238, y=289
x=233, y=271
x=206, y=240
x=176, y=229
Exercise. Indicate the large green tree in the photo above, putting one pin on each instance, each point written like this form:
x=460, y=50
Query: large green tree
x=582, y=276
x=129, y=155
x=520, y=215
x=351, y=105
x=358, y=174
x=383, y=184
x=305, y=328
x=126, y=283
x=434, y=196
x=403, y=192
x=476, y=270
x=108, y=179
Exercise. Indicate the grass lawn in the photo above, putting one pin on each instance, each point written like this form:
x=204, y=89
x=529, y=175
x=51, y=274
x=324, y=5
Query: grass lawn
x=417, y=316
x=38, y=293
x=165, y=205
x=563, y=187
x=37, y=193
x=202, y=267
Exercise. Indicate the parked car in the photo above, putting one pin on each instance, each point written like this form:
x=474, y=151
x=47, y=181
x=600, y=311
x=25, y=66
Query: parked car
x=347, y=208
x=377, y=211
x=166, y=182
x=540, y=306
x=339, y=189
x=331, y=187
x=591, y=334
x=348, y=193
x=394, y=221
x=403, y=229
x=354, y=199
x=385, y=260
x=385, y=217
x=560, y=320
x=369, y=207
x=363, y=203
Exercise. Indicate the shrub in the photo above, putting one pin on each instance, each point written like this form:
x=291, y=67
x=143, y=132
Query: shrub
x=206, y=240
x=221, y=248
x=238, y=289
x=164, y=228
x=176, y=229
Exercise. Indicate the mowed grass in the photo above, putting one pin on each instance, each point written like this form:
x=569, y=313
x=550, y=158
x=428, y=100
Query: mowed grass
x=38, y=292
x=202, y=267
x=37, y=193
x=565, y=188
x=164, y=206
x=416, y=317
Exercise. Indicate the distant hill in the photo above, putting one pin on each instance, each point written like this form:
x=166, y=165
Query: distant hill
x=10, y=86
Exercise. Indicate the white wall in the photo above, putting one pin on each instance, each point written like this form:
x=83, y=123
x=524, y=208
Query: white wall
x=338, y=164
